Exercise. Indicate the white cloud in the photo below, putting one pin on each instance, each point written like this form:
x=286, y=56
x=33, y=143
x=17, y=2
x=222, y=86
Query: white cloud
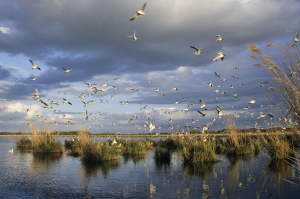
x=4, y=30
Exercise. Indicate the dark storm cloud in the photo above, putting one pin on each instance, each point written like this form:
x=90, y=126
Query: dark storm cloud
x=90, y=36
x=4, y=73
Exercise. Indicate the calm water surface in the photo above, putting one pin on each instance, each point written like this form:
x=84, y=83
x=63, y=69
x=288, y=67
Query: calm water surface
x=25, y=175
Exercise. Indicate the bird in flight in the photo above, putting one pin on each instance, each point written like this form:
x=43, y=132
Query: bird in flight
x=219, y=38
x=46, y=105
x=198, y=50
x=139, y=13
x=36, y=94
x=219, y=110
x=202, y=104
x=209, y=84
x=216, y=74
x=66, y=101
x=67, y=70
x=219, y=55
x=203, y=115
x=33, y=66
x=133, y=36
x=296, y=39
x=252, y=101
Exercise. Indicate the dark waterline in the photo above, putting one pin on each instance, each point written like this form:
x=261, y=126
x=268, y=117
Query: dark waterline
x=26, y=175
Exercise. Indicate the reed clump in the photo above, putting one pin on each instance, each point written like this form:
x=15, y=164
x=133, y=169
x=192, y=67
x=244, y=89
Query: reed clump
x=237, y=143
x=199, y=151
x=46, y=144
x=93, y=152
x=194, y=150
x=97, y=152
x=135, y=147
x=24, y=143
x=73, y=147
x=40, y=141
x=278, y=147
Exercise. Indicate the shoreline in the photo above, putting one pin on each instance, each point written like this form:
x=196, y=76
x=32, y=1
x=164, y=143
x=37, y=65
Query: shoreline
x=159, y=135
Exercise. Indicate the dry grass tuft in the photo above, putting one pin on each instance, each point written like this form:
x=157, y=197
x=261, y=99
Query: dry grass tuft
x=254, y=49
x=270, y=44
x=40, y=141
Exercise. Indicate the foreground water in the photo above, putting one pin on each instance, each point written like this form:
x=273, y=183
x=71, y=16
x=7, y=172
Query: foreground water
x=26, y=175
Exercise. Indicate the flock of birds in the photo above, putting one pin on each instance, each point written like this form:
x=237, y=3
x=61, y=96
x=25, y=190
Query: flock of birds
x=148, y=123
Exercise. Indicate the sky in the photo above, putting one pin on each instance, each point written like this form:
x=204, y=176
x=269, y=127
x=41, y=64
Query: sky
x=91, y=38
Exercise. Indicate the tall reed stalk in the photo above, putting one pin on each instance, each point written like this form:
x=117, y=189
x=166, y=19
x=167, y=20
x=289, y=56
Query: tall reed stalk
x=284, y=93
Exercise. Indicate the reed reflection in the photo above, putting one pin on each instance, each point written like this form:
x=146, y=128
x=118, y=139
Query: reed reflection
x=275, y=176
x=134, y=158
x=104, y=167
x=162, y=158
x=46, y=159
x=201, y=170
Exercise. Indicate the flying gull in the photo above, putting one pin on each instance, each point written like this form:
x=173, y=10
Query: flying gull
x=296, y=39
x=202, y=114
x=33, y=66
x=219, y=38
x=36, y=94
x=133, y=36
x=67, y=70
x=139, y=13
x=66, y=101
x=198, y=50
x=219, y=55
x=202, y=104
x=46, y=105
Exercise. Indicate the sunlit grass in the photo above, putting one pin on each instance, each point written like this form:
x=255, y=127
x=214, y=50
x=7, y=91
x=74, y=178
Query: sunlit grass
x=135, y=147
x=94, y=152
x=237, y=143
x=195, y=150
x=278, y=147
x=40, y=141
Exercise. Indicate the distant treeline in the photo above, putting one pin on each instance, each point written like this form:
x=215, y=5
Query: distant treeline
x=73, y=133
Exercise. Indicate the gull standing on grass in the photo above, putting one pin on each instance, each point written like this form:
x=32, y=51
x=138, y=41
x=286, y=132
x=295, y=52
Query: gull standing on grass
x=139, y=13
x=33, y=66
x=198, y=50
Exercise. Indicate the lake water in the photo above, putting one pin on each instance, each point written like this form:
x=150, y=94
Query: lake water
x=26, y=175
